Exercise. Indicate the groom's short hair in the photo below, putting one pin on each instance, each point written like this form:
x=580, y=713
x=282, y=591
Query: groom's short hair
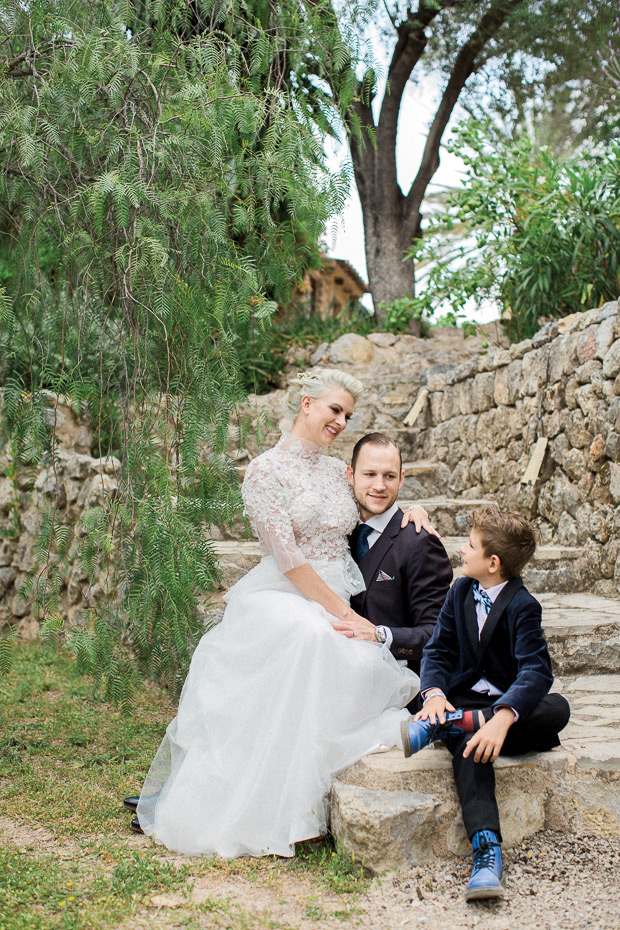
x=374, y=439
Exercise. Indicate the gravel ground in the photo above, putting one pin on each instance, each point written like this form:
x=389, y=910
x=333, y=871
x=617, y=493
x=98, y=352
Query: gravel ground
x=553, y=881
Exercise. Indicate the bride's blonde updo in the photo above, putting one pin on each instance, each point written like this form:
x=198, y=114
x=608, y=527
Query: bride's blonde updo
x=315, y=384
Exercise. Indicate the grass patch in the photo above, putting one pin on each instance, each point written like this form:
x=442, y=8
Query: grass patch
x=67, y=857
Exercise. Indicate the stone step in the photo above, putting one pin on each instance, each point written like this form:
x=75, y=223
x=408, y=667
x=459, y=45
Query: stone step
x=553, y=568
x=583, y=631
x=393, y=813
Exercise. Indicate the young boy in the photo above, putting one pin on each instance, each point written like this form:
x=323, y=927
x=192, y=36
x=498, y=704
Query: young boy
x=488, y=658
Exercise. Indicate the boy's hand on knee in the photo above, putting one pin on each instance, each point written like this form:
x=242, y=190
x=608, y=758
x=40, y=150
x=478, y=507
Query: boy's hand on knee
x=489, y=739
x=435, y=709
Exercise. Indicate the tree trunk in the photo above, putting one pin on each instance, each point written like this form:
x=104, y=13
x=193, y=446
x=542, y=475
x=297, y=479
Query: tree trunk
x=392, y=221
x=389, y=229
x=389, y=276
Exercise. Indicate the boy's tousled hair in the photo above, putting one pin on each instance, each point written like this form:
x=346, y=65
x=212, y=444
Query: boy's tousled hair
x=507, y=535
x=374, y=439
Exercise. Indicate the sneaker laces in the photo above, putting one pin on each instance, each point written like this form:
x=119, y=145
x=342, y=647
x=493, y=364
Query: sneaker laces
x=484, y=855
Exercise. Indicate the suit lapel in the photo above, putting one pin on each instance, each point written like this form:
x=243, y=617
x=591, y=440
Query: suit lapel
x=471, y=621
x=369, y=565
x=499, y=606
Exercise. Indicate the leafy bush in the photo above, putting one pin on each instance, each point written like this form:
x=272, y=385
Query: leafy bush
x=539, y=236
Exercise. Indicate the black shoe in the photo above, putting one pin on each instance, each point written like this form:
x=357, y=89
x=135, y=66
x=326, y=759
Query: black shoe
x=131, y=803
x=135, y=826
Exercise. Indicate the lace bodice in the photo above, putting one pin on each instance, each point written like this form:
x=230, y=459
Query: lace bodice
x=299, y=503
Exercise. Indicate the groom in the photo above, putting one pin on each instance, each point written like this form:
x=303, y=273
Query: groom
x=407, y=573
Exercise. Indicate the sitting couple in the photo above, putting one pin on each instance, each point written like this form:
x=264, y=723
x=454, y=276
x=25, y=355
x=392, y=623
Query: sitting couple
x=302, y=677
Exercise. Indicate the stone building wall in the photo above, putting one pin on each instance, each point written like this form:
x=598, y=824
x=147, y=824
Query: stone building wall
x=482, y=418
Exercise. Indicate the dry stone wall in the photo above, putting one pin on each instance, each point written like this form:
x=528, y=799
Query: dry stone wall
x=482, y=418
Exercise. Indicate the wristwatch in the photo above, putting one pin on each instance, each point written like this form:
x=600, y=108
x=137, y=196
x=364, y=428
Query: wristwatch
x=380, y=634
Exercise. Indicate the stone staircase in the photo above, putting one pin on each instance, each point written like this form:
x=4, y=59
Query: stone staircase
x=392, y=813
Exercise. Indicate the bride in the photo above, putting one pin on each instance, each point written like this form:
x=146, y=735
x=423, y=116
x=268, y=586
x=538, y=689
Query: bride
x=276, y=701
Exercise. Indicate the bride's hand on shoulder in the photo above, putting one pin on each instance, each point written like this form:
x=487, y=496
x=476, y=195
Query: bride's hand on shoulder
x=353, y=626
x=420, y=519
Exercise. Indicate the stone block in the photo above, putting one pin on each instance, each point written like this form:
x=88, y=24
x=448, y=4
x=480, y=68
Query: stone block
x=590, y=371
x=588, y=399
x=520, y=349
x=74, y=464
x=493, y=470
x=7, y=551
x=384, y=829
x=320, y=352
x=614, y=482
x=464, y=396
x=351, y=349
x=382, y=340
x=611, y=361
x=613, y=414
x=436, y=404
x=466, y=369
x=596, y=453
x=561, y=360
x=434, y=380
x=7, y=577
x=19, y=606
x=567, y=531
x=531, y=373
x=449, y=405
x=612, y=446
x=586, y=346
x=572, y=386
x=506, y=389
x=482, y=395
x=551, y=424
x=495, y=358
x=577, y=432
x=607, y=332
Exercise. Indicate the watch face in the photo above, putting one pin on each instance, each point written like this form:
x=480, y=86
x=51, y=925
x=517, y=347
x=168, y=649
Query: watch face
x=380, y=634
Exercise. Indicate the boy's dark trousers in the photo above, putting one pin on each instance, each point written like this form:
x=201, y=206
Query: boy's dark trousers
x=475, y=781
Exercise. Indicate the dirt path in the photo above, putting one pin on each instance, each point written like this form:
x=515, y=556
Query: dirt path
x=556, y=882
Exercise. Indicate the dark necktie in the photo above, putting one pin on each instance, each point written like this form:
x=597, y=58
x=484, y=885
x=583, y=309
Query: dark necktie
x=362, y=546
x=483, y=598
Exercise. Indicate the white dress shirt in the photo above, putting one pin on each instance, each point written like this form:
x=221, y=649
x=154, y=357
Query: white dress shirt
x=378, y=524
x=484, y=686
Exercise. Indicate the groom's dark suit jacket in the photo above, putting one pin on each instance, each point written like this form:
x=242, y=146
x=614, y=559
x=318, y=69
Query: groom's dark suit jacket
x=511, y=652
x=407, y=577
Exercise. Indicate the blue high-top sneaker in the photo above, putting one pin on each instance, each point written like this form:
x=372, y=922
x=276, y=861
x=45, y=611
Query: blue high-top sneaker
x=486, y=877
x=417, y=734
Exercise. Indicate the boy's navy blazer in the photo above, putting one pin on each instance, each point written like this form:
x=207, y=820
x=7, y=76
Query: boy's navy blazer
x=407, y=576
x=511, y=653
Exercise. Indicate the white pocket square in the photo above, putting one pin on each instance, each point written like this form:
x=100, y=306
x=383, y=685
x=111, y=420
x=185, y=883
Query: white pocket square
x=382, y=576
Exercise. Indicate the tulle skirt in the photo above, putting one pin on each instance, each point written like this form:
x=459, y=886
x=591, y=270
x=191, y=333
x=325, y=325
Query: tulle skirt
x=275, y=703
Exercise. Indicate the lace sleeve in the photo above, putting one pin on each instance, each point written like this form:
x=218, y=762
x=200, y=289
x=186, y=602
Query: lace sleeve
x=265, y=502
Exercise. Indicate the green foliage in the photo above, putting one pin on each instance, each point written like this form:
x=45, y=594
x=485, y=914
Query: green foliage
x=162, y=188
x=539, y=236
x=396, y=317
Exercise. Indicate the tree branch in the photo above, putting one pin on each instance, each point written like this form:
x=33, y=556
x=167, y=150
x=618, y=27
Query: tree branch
x=464, y=66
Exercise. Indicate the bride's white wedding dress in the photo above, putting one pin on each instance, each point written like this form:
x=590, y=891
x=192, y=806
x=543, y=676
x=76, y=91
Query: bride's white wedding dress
x=276, y=701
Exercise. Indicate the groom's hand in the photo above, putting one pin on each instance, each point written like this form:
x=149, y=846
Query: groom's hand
x=356, y=627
